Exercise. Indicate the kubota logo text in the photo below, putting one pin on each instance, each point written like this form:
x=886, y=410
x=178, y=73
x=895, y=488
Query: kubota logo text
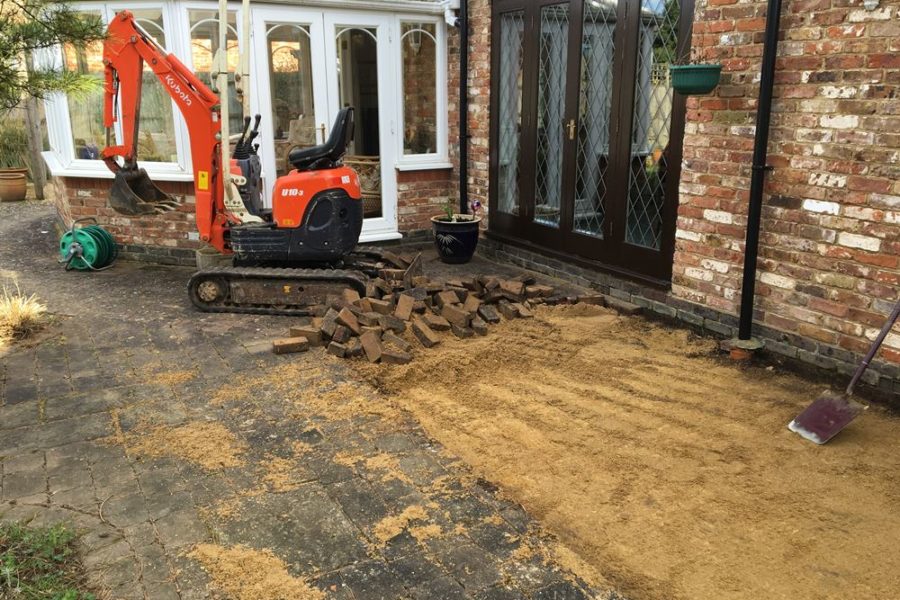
x=170, y=81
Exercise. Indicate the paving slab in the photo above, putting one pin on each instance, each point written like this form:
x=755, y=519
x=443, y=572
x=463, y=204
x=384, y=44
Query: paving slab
x=127, y=353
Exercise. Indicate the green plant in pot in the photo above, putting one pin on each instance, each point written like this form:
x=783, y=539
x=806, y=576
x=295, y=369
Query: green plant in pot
x=456, y=235
x=13, y=169
x=692, y=77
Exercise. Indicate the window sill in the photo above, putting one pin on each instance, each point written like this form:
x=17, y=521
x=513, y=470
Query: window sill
x=97, y=170
x=424, y=166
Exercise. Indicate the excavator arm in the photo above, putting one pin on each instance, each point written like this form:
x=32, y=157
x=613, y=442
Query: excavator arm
x=126, y=50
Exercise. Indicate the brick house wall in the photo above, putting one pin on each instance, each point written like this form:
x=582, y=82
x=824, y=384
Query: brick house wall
x=169, y=238
x=829, y=264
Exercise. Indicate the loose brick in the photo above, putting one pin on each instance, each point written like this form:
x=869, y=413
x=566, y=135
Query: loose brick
x=446, y=297
x=341, y=334
x=394, y=259
x=461, y=332
x=311, y=333
x=354, y=348
x=418, y=293
x=329, y=323
x=489, y=313
x=471, y=304
x=393, y=339
x=513, y=290
x=349, y=320
x=523, y=311
x=538, y=291
x=456, y=315
x=479, y=326
x=508, y=310
x=426, y=336
x=367, y=328
x=338, y=349
x=395, y=357
x=436, y=322
x=290, y=345
x=382, y=307
x=404, y=307
x=350, y=295
x=392, y=323
x=369, y=319
x=371, y=346
x=364, y=304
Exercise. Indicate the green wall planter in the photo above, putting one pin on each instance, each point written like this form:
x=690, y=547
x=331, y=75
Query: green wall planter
x=691, y=80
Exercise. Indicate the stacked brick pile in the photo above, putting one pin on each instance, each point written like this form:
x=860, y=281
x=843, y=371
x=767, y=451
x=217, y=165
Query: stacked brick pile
x=401, y=310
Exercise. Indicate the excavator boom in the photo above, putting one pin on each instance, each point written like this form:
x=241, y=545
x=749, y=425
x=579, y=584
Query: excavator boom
x=128, y=48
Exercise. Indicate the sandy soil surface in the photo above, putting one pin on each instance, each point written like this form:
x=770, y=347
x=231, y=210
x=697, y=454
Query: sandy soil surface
x=669, y=471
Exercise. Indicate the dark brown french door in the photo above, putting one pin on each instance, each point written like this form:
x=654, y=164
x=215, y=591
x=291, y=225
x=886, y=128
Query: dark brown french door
x=586, y=130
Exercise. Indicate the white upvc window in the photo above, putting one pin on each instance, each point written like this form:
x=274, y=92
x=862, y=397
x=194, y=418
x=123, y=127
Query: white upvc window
x=75, y=124
x=421, y=58
x=188, y=30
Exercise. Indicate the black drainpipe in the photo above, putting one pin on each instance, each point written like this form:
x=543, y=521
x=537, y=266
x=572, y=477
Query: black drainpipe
x=759, y=168
x=463, y=22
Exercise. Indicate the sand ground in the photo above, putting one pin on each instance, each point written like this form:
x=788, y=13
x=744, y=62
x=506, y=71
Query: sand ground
x=666, y=469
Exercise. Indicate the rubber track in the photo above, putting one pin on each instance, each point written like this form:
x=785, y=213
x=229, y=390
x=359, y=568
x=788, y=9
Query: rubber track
x=342, y=279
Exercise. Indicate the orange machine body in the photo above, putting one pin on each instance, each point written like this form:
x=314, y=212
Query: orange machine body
x=294, y=191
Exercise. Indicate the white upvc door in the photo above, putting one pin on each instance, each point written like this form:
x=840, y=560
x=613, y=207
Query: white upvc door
x=353, y=42
x=328, y=59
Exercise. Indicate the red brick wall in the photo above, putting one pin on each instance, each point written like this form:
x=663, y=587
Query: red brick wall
x=479, y=83
x=422, y=195
x=78, y=197
x=830, y=247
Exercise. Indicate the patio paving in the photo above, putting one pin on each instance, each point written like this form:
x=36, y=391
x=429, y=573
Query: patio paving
x=127, y=355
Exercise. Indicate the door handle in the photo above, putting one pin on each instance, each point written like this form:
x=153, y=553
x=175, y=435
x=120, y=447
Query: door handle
x=322, y=131
x=571, y=127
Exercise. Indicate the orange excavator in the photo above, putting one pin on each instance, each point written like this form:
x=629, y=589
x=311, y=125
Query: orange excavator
x=286, y=258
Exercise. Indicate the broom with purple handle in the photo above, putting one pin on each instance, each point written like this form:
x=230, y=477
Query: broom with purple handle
x=831, y=412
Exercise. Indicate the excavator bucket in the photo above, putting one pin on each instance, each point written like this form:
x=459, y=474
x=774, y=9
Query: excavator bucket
x=133, y=193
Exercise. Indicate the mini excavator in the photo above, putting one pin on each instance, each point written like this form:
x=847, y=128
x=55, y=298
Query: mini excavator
x=287, y=258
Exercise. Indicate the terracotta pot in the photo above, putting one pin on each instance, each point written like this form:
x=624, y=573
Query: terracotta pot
x=12, y=187
x=12, y=170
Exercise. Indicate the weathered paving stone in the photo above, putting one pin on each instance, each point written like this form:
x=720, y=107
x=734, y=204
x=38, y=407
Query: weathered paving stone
x=181, y=528
x=24, y=484
x=445, y=588
x=305, y=527
x=562, y=590
x=373, y=579
x=474, y=566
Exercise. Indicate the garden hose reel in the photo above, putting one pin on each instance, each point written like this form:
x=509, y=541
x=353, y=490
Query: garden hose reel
x=87, y=247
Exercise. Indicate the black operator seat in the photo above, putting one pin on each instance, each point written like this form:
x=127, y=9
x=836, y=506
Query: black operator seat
x=329, y=154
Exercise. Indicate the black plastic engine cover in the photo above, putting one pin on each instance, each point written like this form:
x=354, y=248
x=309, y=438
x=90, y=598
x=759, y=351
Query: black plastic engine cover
x=330, y=230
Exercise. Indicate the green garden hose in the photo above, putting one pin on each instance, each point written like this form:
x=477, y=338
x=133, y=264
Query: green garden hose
x=87, y=247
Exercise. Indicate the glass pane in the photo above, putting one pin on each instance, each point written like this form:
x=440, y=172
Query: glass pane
x=554, y=43
x=594, y=102
x=204, y=44
x=291, y=85
x=512, y=27
x=419, y=49
x=157, y=126
x=652, y=119
x=86, y=110
x=357, y=65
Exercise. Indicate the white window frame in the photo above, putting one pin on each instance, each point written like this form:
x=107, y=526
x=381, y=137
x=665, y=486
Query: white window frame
x=439, y=159
x=61, y=157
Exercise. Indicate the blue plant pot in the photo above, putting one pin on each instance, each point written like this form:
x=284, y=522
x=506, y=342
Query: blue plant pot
x=455, y=241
